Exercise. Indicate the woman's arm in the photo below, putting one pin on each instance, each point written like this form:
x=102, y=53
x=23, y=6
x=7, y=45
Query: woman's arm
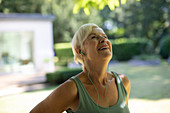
x=62, y=98
x=127, y=85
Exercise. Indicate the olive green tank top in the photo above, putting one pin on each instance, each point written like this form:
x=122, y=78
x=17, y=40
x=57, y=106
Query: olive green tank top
x=87, y=105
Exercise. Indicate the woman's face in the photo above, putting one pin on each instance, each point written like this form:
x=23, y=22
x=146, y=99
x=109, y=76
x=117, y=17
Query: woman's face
x=97, y=46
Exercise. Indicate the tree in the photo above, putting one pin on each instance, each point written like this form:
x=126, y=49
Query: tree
x=21, y=6
x=88, y=5
x=65, y=24
x=145, y=19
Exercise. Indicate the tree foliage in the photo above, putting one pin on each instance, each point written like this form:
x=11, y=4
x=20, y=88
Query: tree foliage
x=21, y=6
x=144, y=19
x=88, y=5
x=65, y=24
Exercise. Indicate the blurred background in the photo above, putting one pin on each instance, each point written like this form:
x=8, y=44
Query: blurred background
x=36, y=54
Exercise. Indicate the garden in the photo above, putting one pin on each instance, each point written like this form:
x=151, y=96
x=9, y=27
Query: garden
x=139, y=31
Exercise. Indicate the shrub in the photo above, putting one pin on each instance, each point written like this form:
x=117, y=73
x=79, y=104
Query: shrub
x=62, y=75
x=64, y=53
x=63, y=50
x=165, y=47
x=125, y=48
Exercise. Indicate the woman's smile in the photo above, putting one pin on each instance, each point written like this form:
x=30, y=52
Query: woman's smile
x=103, y=47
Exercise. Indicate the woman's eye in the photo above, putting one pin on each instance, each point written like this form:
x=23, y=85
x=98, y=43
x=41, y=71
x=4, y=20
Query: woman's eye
x=93, y=37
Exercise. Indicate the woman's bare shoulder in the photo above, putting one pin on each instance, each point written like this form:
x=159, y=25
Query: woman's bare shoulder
x=68, y=88
x=126, y=82
x=124, y=78
x=62, y=98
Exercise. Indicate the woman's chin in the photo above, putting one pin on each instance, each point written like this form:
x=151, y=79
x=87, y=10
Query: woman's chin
x=106, y=55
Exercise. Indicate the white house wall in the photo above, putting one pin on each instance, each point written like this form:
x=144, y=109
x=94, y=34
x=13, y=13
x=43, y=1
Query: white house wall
x=42, y=39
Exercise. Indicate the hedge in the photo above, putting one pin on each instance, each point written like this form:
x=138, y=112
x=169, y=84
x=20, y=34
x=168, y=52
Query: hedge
x=63, y=50
x=165, y=47
x=123, y=48
x=62, y=75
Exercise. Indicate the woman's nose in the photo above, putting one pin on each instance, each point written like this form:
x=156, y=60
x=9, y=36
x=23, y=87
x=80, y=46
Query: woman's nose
x=102, y=39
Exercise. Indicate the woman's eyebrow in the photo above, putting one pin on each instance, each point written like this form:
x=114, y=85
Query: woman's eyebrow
x=96, y=34
x=92, y=34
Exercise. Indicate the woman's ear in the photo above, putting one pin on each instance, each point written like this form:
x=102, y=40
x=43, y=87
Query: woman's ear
x=79, y=52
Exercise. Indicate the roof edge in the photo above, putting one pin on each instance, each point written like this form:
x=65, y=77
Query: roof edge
x=27, y=16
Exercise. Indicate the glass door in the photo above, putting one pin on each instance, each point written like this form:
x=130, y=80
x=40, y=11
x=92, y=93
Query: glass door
x=16, y=51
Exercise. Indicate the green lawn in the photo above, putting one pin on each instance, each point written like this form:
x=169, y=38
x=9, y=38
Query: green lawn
x=149, y=84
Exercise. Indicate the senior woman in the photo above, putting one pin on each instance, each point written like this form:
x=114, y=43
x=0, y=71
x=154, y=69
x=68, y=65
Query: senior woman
x=94, y=90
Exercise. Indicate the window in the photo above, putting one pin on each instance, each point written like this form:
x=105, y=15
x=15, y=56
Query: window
x=16, y=50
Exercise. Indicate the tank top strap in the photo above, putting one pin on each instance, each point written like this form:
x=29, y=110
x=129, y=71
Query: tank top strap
x=84, y=100
x=120, y=84
x=80, y=86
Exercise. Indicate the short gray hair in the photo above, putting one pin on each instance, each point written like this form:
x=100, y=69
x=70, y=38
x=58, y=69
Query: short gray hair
x=79, y=37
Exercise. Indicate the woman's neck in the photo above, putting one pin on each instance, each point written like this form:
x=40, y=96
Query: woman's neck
x=97, y=72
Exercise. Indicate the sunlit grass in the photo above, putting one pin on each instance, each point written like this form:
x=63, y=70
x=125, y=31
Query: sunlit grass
x=149, y=82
